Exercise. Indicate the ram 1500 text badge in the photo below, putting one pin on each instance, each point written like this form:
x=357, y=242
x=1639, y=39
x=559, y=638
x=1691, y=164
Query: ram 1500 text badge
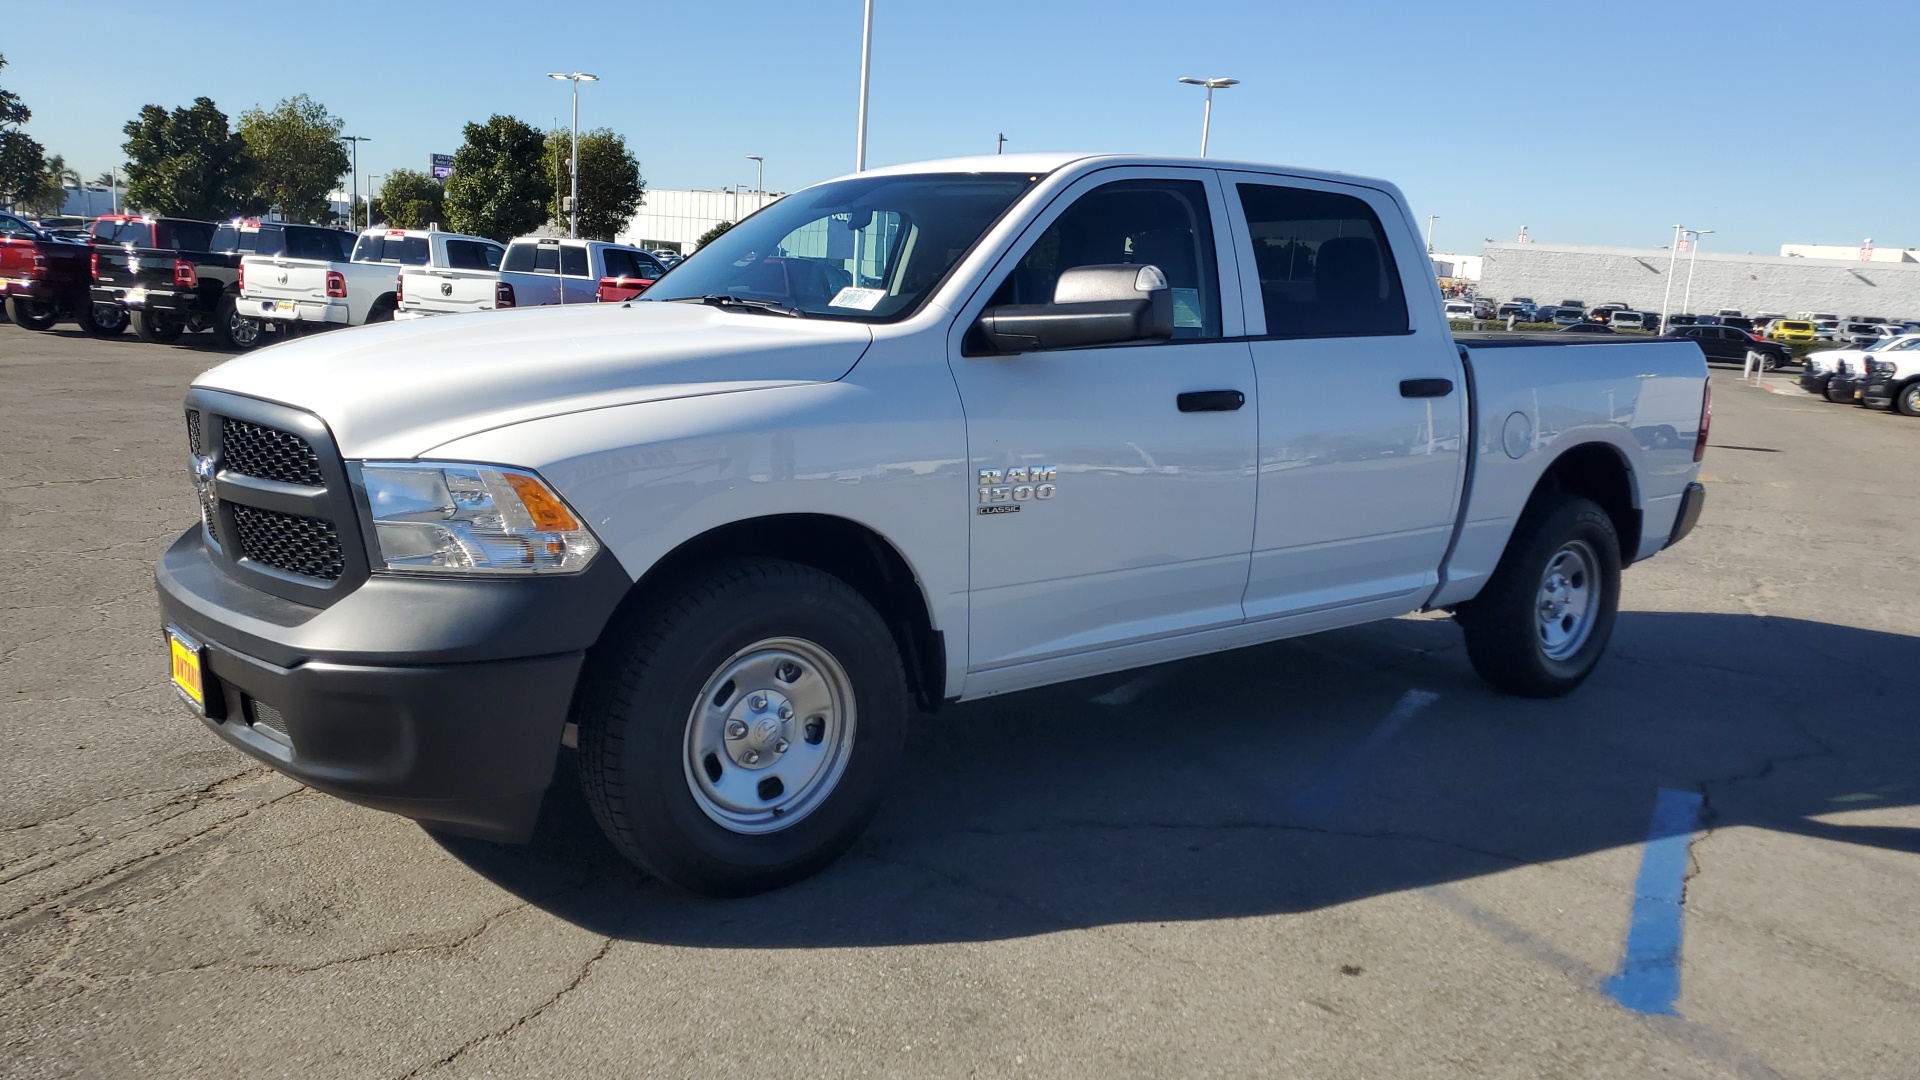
x=925, y=433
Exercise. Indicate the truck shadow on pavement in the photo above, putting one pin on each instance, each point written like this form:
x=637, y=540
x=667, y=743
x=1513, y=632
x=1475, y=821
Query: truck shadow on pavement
x=1295, y=776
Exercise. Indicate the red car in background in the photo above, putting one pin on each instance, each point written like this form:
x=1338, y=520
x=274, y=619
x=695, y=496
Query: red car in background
x=628, y=275
x=46, y=280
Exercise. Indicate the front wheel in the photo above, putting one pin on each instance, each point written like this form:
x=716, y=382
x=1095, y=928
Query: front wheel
x=30, y=314
x=1907, y=399
x=1543, y=620
x=158, y=328
x=738, y=735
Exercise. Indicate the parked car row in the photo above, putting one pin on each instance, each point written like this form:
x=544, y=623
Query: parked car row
x=242, y=280
x=1882, y=375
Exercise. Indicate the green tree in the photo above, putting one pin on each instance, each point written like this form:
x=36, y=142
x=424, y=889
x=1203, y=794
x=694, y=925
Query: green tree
x=610, y=185
x=297, y=156
x=21, y=158
x=48, y=195
x=497, y=189
x=410, y=199
x=711, y=235
x=187, y=163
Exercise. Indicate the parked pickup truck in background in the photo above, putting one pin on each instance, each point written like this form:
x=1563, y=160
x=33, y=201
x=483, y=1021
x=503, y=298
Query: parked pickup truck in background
x=290, y=293
x=1892, y=379
x=924, y=433
x=543, y=270
x=629, y=273
x=44, y=280
x=463, y=275
x=168, y=291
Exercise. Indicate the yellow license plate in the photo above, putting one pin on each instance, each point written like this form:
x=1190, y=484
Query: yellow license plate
x=186, y=668
x=283, y=305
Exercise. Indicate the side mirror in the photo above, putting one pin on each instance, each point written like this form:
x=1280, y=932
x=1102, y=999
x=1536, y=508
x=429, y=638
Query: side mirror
x=1092, y=305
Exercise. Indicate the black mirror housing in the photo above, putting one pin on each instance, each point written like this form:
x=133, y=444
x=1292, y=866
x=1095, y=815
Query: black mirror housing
x=1108, y=304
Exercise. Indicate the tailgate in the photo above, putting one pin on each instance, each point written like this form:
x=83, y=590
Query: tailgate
x=130, y=268
x=285, y=279
x=449, y=291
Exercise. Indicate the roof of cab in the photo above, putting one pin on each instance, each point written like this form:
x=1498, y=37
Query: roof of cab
x=1047, y=162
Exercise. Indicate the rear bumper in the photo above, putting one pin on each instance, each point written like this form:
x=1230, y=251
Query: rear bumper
x=1692, y=501
x=167, y=300
x=442, y=701
x=332, y=312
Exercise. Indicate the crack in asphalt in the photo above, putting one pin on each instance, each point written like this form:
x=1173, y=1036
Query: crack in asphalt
x=526, y=1018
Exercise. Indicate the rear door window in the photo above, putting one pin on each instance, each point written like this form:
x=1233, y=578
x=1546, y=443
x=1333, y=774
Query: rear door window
x=1325, y=267
x=573, y=260
x=187, y=235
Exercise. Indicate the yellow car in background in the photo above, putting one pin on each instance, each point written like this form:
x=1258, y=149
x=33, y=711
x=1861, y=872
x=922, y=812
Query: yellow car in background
x=1790, y=330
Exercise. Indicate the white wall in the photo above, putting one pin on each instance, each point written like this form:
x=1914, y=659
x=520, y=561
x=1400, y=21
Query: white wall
x=1849, y=252
x=678, y=218
x=1752, y=283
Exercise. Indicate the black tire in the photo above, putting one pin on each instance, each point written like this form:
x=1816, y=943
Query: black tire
x=1906, y=398
x=1507, y=637
x=156, y=328
x=381, y=311
x=641, y=714
x=104, y=320
x=232, y=329
x=29, y=314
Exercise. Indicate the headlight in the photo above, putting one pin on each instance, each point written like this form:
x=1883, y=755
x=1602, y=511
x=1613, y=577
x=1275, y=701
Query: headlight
x=472, y=519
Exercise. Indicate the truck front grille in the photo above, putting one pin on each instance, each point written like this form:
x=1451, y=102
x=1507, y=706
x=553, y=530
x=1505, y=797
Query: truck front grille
x=193, y=432
x=299, y=545
x=269, y=453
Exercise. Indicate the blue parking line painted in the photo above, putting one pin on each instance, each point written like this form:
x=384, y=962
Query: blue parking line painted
x=1649, y=976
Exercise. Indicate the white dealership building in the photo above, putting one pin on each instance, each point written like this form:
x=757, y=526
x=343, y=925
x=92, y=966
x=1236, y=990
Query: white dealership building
x=677, y=219
x=1886, y=287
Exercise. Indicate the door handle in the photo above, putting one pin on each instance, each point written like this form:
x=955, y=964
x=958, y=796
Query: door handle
x=1211, y=400
x=1426, y=387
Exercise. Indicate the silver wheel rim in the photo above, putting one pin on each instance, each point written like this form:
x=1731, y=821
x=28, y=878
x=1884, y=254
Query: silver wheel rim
x=1912, y=397
x=769, y=736
x=1569, y=596
x=242, y=330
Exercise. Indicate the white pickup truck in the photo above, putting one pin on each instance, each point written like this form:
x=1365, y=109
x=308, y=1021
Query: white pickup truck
x=291, y=293
x=924, y=433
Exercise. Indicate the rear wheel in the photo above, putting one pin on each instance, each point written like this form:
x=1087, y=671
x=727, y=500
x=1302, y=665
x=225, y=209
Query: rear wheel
x=739, y=734
x=30, y=314
x=1907, y=399
x=382, y=310
x=232, y=329
x=1543, y=620
x=158, y=327
x=104, y=320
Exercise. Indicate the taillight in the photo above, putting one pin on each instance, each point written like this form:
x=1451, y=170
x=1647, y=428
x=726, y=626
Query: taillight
x=336, y=285
x=93, y=264
x=1706, y=421
x=38, y=270
x=184, y=275
x=502, y=294
x=399, y=288
x=242, y=283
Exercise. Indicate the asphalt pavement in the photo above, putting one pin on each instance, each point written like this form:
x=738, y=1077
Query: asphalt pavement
x=1336, y=857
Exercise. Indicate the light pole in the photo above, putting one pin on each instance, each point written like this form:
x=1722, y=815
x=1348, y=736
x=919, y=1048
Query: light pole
x=371, y=177
x=1000, y=144
x=576, y=78
x=1206, y=120
x=356, y=140
x=1673, y=263
x=1693, y=252
x=759, y=173
x=866, y=73
x=1431, y=218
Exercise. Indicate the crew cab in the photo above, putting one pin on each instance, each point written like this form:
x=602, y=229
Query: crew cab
x=44, y=280
x=187, y=277
x=462, y=274
x=543, y=270
x=924, y=433
x=288, y=292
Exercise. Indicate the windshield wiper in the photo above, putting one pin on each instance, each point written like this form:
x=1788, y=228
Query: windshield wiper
x=770, y=307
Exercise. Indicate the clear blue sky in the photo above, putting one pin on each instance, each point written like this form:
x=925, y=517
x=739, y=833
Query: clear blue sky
x=1768, y=122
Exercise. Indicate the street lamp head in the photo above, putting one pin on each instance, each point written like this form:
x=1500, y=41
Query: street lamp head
x=577, y=76
x=1211, y=84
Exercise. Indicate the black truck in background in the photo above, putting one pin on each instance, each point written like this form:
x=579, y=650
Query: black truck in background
x=174, y=275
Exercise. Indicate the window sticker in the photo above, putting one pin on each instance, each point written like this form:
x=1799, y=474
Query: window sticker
x=1186, y=308
x=857, y=298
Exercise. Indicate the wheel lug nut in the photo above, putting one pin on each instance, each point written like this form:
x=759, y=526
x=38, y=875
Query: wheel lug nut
x=757, y=702
x=736, y=729
x=786, y=712
x=751, y=757
x=780, y=747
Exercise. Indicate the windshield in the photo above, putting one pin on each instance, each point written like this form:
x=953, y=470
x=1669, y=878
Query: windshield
x=869, y=248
